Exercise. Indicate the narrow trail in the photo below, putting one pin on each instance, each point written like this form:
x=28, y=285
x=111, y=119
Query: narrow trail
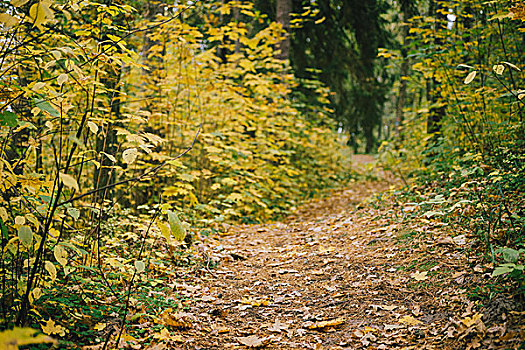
x=338, y=274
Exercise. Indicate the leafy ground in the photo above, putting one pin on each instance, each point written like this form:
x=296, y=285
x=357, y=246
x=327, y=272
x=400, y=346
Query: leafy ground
x=344, y=272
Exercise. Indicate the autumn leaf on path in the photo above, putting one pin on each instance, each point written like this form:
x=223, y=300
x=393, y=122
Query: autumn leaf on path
x=419, y=276
x=278, y=326
x=253, y=341
x=165, y=335
x=255, y=302
x=409, y=321
x=325, y=324
x=178, y=320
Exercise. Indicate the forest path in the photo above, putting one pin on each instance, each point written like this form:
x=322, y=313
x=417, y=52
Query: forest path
x=339, y=274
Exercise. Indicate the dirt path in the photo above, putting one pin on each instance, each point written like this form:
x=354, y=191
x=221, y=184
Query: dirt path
x=339, y=274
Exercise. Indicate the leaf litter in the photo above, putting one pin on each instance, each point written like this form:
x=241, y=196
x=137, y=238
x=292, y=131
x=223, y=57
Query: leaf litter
x=340, y=273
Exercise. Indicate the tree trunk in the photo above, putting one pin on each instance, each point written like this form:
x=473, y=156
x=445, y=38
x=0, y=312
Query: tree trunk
x=436, y=112
x=284, y=8
x=408, y=11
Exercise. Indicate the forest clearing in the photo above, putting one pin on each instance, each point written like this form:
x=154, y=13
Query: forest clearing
x=274, y=174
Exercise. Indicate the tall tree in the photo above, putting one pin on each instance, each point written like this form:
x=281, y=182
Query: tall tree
x=284, y=8
x=342, y=44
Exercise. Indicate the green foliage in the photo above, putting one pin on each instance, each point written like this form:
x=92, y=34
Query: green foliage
x=462, y=138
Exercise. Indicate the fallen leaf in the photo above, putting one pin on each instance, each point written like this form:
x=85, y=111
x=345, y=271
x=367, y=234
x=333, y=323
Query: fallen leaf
x=254, y=302
x=324, y=324
x=419, y=276
x=278, y=326
x=170, y=318
x=409, y=321
x=253, y=341
x=445, y=240
x=165, y=335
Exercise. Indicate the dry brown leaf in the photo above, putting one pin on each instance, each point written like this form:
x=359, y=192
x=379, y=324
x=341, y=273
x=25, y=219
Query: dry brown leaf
x=278, y=326
x=445, y=240
x=419, y=276
x=325, y=324
x=253, y=341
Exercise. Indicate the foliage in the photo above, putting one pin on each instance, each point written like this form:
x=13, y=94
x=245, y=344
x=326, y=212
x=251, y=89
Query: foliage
x=462, y=135
x=99, y=104
x=336, y=42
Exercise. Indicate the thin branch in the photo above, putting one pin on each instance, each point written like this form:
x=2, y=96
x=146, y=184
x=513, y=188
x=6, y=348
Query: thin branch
x=136, y=178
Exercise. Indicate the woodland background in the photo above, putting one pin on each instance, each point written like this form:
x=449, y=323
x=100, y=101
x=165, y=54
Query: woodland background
x=130, y=129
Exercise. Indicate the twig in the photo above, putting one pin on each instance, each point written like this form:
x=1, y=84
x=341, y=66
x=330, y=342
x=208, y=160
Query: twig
x=136, y=178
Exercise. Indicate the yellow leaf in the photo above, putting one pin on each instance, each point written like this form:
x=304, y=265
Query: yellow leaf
x=177, y=230
x=129, y=155
x=253, y=341
x=498, y=69
x=60, y=255
x=321, y=20
x=38, y=86
x=164, y=230
x=51, y=328
x=50, y=267
x=94, y=129
x=69, y=181
x=470, y=77
x=193, y=199
x=128, y=337
x=25, y=234
x=165, y=335
x=37, y=14
x=140, y=266
x=37, y=293
x=170, y=318
x=62, y=78
x=8, y=20
x=20, y=220
x=331, y=323
x=100, y=326
x=57, y=54
x=18, y=3
x=235, y=197
x=3, y=214
x=11, y=339
x=513, y=66
x=255, y=302
x=409, y=320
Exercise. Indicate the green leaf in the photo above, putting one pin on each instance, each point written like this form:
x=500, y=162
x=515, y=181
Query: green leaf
x=5, y=232
x=501, y=270
x=46, y=106
x=74, y=213
x=177, y=230
x=8, y=118
x=509, y=255
x=25, y=234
